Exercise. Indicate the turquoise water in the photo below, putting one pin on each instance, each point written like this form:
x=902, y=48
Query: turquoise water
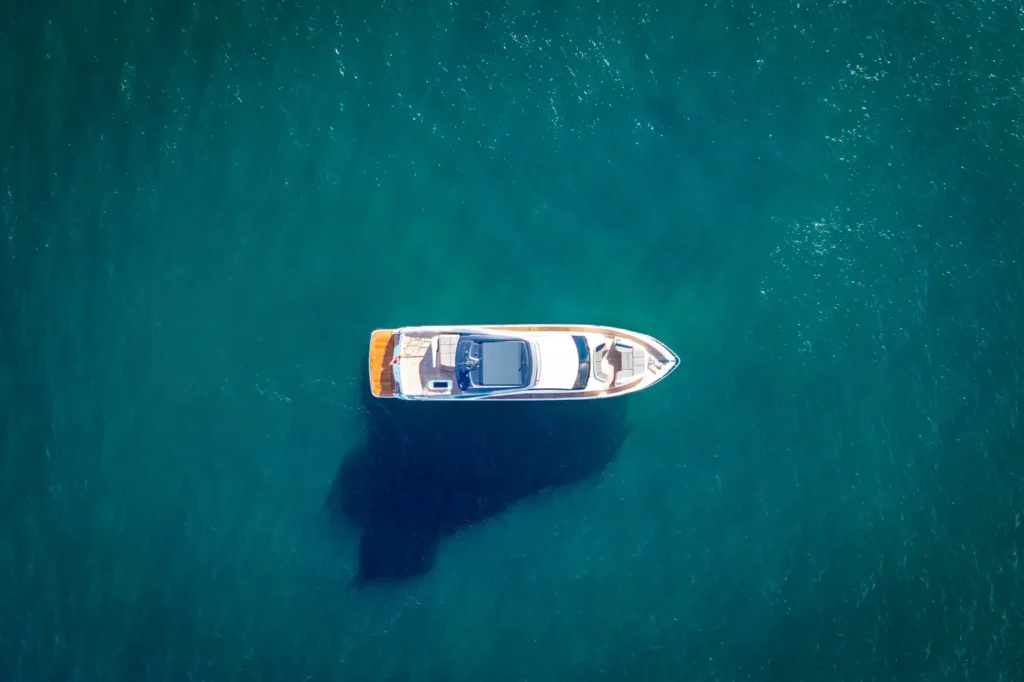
x=207, y=207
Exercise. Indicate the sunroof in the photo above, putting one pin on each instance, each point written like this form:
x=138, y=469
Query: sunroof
x=501, y=363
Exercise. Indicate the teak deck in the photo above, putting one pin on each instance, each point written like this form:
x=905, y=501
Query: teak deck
x=382, y=352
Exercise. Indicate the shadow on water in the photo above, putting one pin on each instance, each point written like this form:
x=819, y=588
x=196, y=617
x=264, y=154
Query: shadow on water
x=428, y=469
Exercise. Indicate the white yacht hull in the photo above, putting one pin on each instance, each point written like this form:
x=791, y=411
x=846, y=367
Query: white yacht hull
x=515, y=362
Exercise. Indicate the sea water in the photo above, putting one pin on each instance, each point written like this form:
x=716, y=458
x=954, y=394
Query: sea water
x=205, y=208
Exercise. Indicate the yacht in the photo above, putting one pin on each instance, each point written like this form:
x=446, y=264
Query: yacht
x=514, y=362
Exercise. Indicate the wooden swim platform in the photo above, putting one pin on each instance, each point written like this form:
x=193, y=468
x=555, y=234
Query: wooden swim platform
x=382, y=352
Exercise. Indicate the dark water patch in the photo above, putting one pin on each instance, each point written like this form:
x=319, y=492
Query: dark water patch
x=428, y=470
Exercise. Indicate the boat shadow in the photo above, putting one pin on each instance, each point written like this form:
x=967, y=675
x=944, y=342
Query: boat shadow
x=428, y=469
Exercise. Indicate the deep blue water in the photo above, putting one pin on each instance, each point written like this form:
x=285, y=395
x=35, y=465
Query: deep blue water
x=205, y=208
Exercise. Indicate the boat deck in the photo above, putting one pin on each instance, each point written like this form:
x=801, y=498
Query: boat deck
x=382, y=352
x=428, y=357
x=635, y=369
